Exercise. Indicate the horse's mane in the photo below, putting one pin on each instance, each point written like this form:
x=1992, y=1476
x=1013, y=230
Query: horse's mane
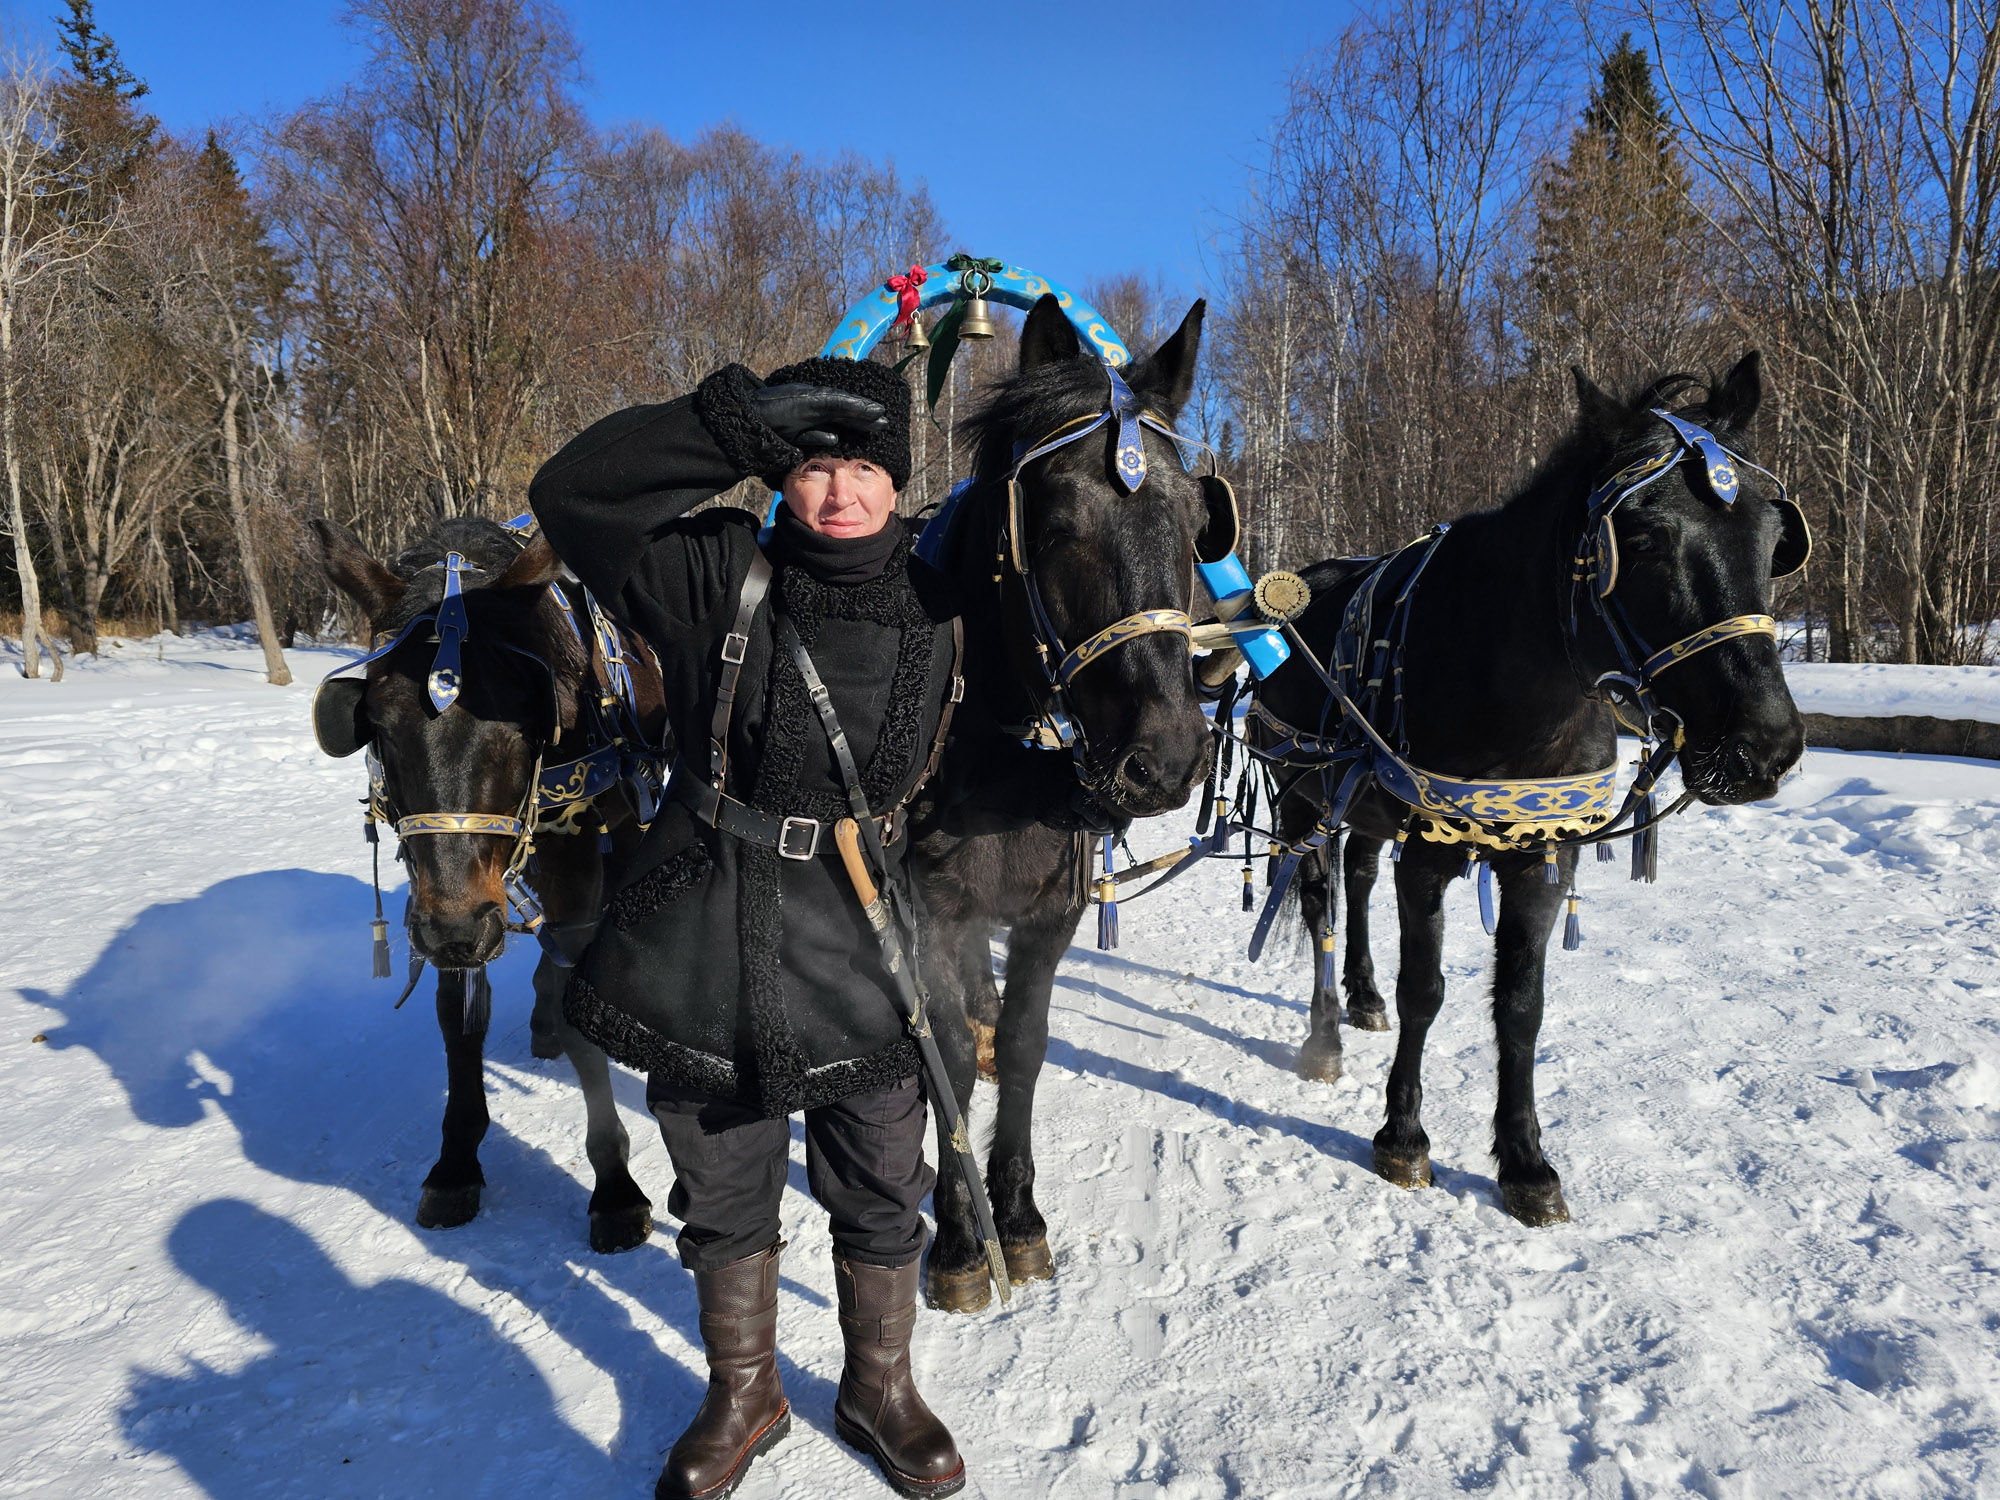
x=1028, y=405
x=1596, y=445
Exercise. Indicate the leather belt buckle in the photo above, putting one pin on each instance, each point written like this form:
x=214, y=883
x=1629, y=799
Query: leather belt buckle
x=790, y=831
x=734, y=648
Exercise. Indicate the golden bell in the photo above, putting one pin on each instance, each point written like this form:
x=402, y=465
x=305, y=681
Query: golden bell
x=978, y=323
x=914, y=337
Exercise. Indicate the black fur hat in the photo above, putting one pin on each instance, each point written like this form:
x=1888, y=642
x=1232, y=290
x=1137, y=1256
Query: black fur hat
x=721, y=401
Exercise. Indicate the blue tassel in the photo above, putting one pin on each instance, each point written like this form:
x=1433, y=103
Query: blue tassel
x=1551, y=873
x=1605, y=853
x=1645, y=844
x=604, y=841
x=1572, y=928
x=1488, y=918
x=1326, y=963
x=1107, y=904
x=1471, y=864
x=1402, y=838
x=381, y=931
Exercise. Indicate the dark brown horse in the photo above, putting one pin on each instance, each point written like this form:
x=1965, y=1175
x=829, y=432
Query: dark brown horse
x=533, y=690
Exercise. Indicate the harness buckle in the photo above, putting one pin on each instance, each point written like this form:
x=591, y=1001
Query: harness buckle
x=793, y=828
x=735, y=646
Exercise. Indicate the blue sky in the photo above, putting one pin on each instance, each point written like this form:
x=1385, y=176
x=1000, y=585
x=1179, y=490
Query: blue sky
x=1080, y=139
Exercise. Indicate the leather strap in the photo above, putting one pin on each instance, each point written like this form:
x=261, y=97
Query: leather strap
x=735, y=646
x=793, y=837
x=944, y=717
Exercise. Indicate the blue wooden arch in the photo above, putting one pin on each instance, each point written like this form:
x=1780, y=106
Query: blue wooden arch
x=861, y=327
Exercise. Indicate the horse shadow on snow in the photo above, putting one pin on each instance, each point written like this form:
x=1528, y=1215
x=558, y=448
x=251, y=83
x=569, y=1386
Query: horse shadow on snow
x=254, y=996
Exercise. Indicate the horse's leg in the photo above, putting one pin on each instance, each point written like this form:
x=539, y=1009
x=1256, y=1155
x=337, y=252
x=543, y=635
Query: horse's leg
x=621, y=1215
x=451, y=1191
x=1035, y=947
x=1360, y=862
x=1319, y=1058
x=571, y=876
x=956, y=1279
x=1529, y=1187
x=982, y=995
x=1402, y=1150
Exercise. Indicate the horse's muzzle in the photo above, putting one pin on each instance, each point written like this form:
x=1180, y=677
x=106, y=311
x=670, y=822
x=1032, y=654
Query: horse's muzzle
x=1746, y=766
x=1154, y=777
x=459, y=939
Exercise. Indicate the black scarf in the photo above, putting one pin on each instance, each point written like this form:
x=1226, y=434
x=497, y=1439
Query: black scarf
x=839, y=560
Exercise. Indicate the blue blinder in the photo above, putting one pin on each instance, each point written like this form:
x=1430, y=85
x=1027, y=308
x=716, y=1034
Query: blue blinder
x=935, y=538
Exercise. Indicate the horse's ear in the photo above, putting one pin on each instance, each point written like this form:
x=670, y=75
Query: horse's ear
x=536, y=567
x=1047, y=336
x=1598, y=408
x=351, y=569
x=1168, y=375
x=1734, y=402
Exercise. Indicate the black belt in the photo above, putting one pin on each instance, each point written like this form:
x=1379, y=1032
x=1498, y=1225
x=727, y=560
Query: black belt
x=793, y=837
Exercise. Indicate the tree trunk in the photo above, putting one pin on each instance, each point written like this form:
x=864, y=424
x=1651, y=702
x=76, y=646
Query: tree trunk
x=34, y=640
x=246, y=544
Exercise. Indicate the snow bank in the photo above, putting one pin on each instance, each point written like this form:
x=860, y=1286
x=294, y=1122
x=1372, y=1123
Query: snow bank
x=1881, y=690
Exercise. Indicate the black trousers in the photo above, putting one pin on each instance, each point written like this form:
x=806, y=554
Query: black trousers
x=864, y=1163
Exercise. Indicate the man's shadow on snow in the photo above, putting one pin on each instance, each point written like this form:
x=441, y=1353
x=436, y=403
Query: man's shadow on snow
x=392, y=1388
x=253, y=998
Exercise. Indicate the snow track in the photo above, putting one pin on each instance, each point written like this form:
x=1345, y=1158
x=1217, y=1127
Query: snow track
x=1771, y=1083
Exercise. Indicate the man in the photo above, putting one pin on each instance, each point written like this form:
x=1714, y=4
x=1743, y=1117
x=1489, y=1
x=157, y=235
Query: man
x=735, y=965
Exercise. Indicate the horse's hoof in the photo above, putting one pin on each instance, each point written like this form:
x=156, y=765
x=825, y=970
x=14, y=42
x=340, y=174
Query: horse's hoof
x=1367, y=1018
x=619, y=1229
x=1318, y=1064
x=965, y=1291
x=982, y=1047
x=1404, y=1171
x=1537, y=1206
x=447, y=1208
x=1029, y=1261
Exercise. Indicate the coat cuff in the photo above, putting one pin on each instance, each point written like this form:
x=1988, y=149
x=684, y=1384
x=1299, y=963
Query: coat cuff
x=722, y=402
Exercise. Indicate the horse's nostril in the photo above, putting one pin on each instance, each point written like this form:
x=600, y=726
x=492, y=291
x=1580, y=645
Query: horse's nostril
x=1138, y=770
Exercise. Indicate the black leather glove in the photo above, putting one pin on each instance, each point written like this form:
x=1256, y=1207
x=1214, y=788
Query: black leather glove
x=811, y=416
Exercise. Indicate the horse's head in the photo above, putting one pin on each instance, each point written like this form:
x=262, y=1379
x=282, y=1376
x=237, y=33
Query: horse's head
x=1686, y=570
x=479, y=754
x=1112, y=567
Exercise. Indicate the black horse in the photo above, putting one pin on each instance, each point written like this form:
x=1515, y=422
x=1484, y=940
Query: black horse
x=534, y=681
x=1494, y=686
x=1097, y=555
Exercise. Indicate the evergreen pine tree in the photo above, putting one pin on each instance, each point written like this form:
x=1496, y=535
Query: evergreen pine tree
x=1617, y=250
x=96, y=112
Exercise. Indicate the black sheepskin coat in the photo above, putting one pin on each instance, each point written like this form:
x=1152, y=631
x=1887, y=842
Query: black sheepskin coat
x=721, y=969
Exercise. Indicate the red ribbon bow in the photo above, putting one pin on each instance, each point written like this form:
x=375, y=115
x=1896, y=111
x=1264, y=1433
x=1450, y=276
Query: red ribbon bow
x=905, y=288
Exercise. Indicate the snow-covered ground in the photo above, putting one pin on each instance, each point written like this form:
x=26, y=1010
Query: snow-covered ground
x=1772, y=1084
x=1874, y=690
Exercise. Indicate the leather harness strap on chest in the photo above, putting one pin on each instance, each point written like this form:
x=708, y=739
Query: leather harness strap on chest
x=793, y=837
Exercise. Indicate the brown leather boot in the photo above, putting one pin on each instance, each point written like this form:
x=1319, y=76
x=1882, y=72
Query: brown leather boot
x=745, y=1411
x=878, y=1409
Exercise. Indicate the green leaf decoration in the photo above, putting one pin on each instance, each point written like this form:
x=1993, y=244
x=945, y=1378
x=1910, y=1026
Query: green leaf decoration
x=944, y=344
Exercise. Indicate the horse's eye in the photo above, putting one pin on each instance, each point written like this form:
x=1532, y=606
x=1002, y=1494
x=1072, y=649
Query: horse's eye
x=1640, y=543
